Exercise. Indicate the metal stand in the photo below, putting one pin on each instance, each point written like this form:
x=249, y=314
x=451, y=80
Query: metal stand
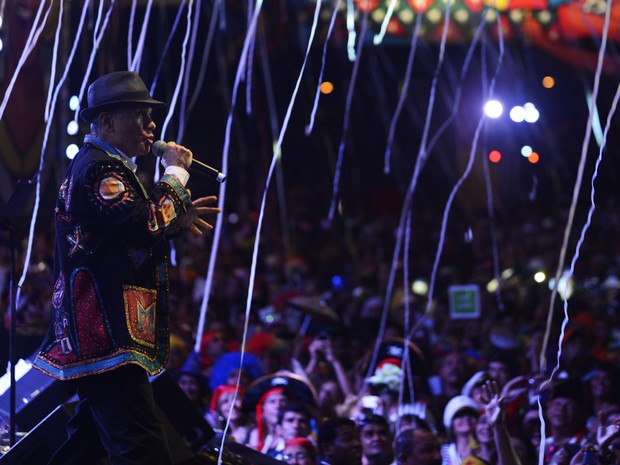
x=14, y=207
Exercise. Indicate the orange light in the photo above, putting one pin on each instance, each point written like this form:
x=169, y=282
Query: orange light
x=548, y=82
x=533, y=158
x=327, y=87
x=495, y=156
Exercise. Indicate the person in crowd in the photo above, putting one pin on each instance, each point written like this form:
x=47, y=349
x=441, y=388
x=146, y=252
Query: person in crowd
x=500, y=450
x=110, y=325
x=376, y=439
x=565, y=418
x=409, y=421
x=417, y=446
x=193, y=383
x=602, y=385
x=178, y=353
x=321, y=352
x=299, y=451
x=338, y=442
x=473, y=387
x=266, y=396
x=529, y=425
x=293, y=422
x=459, y=420
x=330, y=396
x=232, y=366
x=226, y=406
x=502, y=366
x=452, y=374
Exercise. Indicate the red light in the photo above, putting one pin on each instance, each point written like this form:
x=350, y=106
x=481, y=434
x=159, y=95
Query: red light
x=533, y=158
x=495, y=156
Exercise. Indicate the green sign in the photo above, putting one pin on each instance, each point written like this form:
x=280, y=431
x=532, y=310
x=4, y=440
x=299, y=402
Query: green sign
x=464, y=301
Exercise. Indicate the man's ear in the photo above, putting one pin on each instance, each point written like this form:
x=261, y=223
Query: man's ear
x=106, y=121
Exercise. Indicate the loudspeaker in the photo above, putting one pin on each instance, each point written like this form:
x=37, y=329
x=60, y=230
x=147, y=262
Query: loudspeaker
x=186, y=429
x=38, y=445
x=36, y=396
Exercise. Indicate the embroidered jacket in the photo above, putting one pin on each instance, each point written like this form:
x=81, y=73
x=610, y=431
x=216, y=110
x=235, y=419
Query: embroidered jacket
x=110, y=297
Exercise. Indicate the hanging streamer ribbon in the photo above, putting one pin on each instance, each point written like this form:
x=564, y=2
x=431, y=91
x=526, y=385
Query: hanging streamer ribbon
x=419, y=162
x=31, y=42
x=573, y=207
x=134, y=64
x=50, y=104
x=347, y=111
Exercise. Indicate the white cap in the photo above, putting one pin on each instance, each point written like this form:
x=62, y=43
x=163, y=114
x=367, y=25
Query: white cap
x=458, y=403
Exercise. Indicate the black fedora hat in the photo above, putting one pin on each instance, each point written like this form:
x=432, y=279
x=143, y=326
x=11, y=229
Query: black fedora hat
x=116, y=89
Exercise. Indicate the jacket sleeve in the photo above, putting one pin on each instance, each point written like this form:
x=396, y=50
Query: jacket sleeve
x=127, y=209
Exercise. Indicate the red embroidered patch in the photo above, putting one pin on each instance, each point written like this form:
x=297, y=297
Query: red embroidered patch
x=141, y=314
x=92, y=334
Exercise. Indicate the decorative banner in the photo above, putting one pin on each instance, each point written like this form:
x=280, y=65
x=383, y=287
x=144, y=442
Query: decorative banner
x=559, y=27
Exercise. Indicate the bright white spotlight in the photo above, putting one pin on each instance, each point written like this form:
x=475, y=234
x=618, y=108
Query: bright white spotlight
x=419, y=287
x=517, y=114
x=72, y=128
x=566, y=286
x=493, y=109
x=1, y=44
x=531, y=113
x=74, y=102
x=540, y=277
x=71, y=151
x=526, y=151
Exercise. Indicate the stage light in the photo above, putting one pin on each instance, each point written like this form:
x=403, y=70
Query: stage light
x=531, y=113
x=327, y=87
x=508, y=273
x=419, y=287
x=492, y=285
x=533, y=158
x=233, y=218
x=1, y=44
x=72, y=128
x=74, y=103
x=566, y=286
x=493, y=109
x=495, y=156
x=517, y=114
x=71, y=151
x=526, y=151
x=540, y=277
x=548, y=82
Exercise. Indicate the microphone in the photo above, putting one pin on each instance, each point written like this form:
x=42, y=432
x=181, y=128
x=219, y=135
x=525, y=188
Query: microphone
x=159, y=147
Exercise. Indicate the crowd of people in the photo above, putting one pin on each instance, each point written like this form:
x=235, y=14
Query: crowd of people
x=335, y=371
x=308, y=389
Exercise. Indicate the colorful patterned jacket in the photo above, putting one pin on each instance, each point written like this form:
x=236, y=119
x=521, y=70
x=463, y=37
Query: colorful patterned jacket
x=110, y=299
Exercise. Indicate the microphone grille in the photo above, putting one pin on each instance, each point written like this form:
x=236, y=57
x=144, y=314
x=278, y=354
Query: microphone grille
x=158, y=148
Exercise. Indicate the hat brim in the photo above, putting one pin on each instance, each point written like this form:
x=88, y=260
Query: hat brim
x=90, y=114
x=293, y=386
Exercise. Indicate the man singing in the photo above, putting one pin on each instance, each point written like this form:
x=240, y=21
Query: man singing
x=110, y=320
